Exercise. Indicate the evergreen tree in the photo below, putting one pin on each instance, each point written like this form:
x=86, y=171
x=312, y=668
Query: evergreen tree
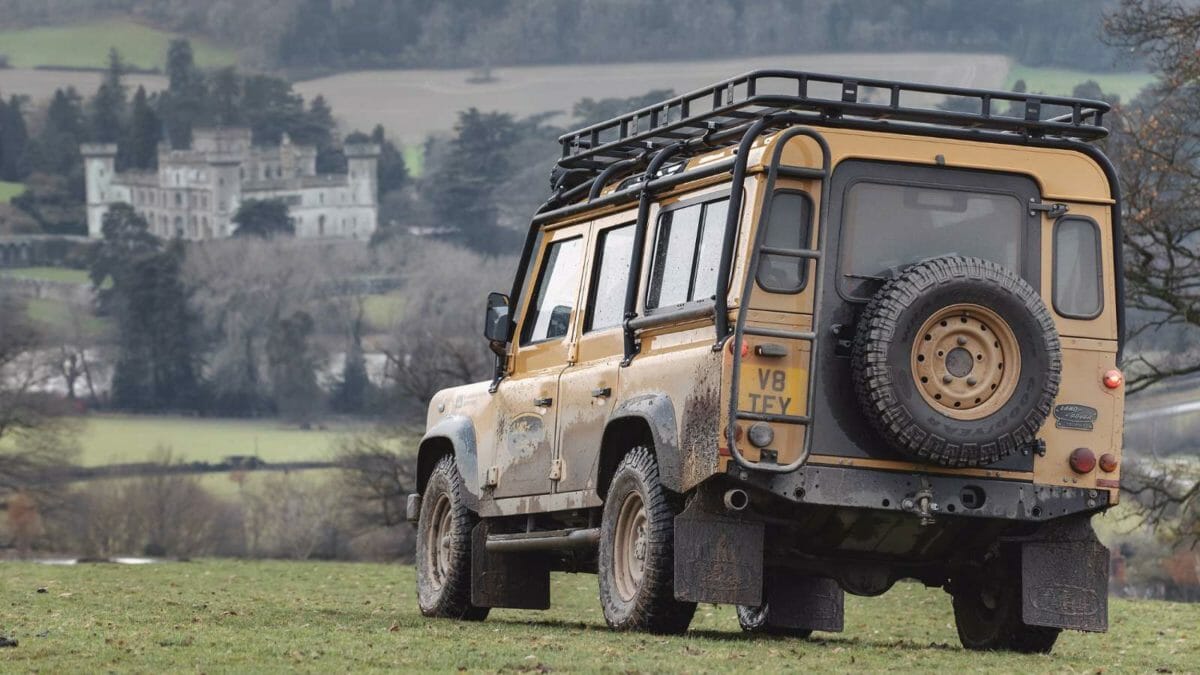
x=293, y=367
x=227, y=98
x=264, y=218
x=108, y=105
x=157, y=364
x=142, y=135
x=392, y=171
x=14, y=139
x=55, y=150
x=184, y=105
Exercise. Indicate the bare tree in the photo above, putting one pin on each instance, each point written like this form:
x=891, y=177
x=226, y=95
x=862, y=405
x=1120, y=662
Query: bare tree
x=378, y=471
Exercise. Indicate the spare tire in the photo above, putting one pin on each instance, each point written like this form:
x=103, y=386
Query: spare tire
x=956, y=361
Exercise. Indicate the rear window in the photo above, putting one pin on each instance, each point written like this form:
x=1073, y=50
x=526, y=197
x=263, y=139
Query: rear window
x=791, y=213
x=1077, y=280
x=687, y=254
x=889, y=226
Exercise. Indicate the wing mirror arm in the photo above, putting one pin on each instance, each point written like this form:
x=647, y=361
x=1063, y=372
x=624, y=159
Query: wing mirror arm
x=498, y=329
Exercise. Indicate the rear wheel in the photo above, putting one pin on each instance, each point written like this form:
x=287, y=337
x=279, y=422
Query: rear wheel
x=637, y=561
x=757, y=620
x=444, y=547
x=987, y=613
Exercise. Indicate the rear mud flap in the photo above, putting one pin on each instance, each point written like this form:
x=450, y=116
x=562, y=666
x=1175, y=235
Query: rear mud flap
x=811, y=603
x=718, y=558
x=1064, y=583
x=512, y=580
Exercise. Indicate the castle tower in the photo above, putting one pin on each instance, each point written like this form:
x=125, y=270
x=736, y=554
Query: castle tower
x=100, y=167
x=362, y=169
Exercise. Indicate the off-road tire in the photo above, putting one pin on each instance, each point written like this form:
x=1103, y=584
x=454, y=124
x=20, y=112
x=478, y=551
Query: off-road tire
x=883, y=372
x=446, y=592
x=652, y=607
x=757, y=620
x=988, y=618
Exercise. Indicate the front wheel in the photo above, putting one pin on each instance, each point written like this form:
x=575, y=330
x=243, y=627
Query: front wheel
x=637, y=561
x=444, y=547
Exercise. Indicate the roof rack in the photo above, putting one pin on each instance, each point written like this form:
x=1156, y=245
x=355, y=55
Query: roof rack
x=702, y=117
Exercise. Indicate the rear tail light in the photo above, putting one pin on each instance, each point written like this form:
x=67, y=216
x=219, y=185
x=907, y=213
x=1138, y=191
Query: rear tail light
x=1109, y=462
x=745, y=348
x=1083, y=460
x=1113, y=379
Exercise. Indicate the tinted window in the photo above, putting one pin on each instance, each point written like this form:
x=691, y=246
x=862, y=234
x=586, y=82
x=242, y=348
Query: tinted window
x=687, y=254
x=887, y=227
x=555, y=293
x=1077, y=268
x=614, y=250
x=791, y=213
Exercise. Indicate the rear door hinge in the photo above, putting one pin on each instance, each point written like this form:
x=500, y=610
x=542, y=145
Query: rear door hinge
x=1052, y=210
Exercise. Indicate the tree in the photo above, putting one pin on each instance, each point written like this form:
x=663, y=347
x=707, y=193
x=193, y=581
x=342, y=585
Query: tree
x=185, y=104
x=53, y=201
x=392, y=171
x=157, y=365
x=139, y=149
x=293, y=365
x=108, y=105
x=14, y=137
x=264, y=218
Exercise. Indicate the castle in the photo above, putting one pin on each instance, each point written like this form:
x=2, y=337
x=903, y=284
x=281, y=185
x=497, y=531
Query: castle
x=195, y=193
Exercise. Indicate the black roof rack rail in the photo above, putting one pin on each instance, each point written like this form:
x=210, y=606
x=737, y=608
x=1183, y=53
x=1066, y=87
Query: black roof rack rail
x=706, y=116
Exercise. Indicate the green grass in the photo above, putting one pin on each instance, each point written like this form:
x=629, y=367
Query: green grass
x=87, y=45
x=382, y=311
x=62, y=274
x=220, y=616
x=108, y=439
x=414, y=159
x=9, y=190
x=1060, y=81
x=58, y=317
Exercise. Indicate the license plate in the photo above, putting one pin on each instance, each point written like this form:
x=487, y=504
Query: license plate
x=770, y=390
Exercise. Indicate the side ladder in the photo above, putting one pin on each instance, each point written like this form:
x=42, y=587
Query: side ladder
x=741, y=330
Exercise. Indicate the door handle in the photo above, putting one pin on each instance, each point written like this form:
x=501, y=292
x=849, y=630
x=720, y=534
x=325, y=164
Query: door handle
x=602, y=392
x=543, y=402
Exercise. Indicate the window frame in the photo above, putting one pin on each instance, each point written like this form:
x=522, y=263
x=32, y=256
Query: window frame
x=1099, y=268
x=522, y=338
x=600, y=239
x=806, y=242
x=703, y=199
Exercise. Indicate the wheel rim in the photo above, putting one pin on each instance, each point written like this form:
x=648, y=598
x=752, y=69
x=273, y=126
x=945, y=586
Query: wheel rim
x=629, y=547
x=437, y=541
x=965, y=361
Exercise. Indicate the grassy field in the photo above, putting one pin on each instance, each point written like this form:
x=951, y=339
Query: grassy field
x=414, y=159
x=1061, y=80
x=63, y=274
x=87, y=45
x=58, y=317
x=108, y=439
x=217, y=616
x=382, y=311
x=9, y=190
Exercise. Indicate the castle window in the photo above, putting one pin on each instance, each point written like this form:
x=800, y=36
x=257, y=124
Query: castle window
x=322, y=197
x=220, y=181
x=321, y=226
x=178, y=199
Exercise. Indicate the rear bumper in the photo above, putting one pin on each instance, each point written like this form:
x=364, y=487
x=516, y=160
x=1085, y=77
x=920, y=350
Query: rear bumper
x=926, y=495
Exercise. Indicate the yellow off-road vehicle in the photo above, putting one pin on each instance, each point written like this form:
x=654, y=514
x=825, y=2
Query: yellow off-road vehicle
x=790, y=336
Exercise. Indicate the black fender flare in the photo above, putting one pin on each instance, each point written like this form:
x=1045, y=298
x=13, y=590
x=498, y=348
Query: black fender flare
x=658, y=413
x=455, y=433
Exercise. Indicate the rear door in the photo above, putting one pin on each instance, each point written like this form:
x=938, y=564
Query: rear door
x=884, y=217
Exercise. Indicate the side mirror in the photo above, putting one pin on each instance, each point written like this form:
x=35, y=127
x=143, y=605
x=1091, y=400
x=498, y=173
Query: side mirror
x=497, y=326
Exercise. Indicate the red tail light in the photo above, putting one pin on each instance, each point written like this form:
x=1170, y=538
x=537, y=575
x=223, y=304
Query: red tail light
x=1109, y=462
x=1083, y=460
x=1113, y=379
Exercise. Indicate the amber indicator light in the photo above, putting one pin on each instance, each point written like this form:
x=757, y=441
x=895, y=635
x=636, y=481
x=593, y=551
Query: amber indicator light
x=1109, y=462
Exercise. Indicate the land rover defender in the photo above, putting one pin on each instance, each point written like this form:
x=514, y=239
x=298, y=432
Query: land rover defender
x=791, y=336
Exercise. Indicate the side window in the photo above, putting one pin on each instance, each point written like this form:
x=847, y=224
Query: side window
x=555, y=293
x=687, y=254
x=606, y=303
x=1077, y=271
x=791, y=215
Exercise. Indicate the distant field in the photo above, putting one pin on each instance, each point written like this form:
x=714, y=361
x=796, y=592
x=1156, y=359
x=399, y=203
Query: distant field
x=1061, y=81
x=9, y=190
x=109, y=439
x=382, y=311
x=59, y=317
x=414, y=158
x=230, y=616
x=87, y=45
x=411, y=104
x=63, y=274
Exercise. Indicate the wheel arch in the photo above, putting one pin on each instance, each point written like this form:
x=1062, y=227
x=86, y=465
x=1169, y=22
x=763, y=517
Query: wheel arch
x=451, y=436
x=642, y=420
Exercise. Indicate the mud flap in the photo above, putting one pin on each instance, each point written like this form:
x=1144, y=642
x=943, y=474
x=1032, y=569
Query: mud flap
x=718, y=558
x=513, y=580
x=810, y=603
x=1064, y=580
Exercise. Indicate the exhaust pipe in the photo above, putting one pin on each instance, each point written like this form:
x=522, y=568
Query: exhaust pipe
x=736, y=499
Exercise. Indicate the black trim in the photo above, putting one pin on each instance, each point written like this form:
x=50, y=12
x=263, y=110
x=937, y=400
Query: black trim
x=1054, y=270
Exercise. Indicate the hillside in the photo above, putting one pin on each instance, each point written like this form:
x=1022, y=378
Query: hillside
x=219, y=616
x=86, y=45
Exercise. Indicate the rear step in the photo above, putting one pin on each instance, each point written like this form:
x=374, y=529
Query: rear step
x=548, y=540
